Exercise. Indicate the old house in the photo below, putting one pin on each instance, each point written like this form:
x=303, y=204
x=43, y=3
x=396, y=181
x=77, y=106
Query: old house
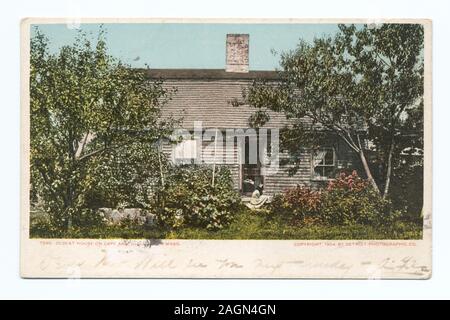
x=217, y=133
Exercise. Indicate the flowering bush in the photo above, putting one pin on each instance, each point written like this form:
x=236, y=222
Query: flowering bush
x=351, y=182
x=348, y=199
x=300, y=203
x=189, y=199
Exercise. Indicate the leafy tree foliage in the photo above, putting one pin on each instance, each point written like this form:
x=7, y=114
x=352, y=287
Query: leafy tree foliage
x=95, y=124
x=190, y=200
x=363, y=84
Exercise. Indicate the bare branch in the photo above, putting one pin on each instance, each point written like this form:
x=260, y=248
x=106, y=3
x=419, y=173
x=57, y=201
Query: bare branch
x=82, y=144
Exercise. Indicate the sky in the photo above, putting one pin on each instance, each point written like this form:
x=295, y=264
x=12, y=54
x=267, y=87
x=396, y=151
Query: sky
x=190, y=45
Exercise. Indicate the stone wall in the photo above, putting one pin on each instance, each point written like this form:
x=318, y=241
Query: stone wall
x=139, y=216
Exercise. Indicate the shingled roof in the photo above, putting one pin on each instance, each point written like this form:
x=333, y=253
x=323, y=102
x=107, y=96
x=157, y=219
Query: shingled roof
x=209, y=74
x=205, y=95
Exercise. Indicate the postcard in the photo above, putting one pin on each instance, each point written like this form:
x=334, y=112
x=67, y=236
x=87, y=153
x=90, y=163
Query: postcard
x=226, y=148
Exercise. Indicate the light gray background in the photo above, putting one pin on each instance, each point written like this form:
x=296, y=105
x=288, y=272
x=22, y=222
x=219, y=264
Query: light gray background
x=12, y=286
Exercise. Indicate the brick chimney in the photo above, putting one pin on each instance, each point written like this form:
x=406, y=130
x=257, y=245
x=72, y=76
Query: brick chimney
x=237, y=53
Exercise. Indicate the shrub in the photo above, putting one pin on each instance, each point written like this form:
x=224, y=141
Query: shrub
x=406, y=190
x=42, y=224
x=300, y=204
x=346, y=200
x=189, y=199
x=349, y=199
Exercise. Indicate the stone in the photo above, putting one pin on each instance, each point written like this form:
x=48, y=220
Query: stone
x=237, y=53
x=137, y=215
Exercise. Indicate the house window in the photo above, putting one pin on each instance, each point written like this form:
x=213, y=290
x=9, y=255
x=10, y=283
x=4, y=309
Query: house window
x=185, y=152
x=323, y=163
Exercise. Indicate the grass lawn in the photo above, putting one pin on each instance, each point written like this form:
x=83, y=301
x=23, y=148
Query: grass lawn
x=247, y=225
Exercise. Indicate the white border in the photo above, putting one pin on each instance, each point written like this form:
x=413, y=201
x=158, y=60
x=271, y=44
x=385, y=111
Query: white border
x=93, y=258
x=14, y=287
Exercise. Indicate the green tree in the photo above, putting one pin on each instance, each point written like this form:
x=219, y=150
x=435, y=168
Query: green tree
x=95, y=127
x=362, y=84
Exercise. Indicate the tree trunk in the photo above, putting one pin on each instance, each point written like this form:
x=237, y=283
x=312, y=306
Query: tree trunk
x=389, y=171
x=367, y=170
x=161, y=171
x=68, y=206
x=214, y=162
x=161, y=197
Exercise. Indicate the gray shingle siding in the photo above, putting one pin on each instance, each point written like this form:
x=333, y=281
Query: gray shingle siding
x=205, y=95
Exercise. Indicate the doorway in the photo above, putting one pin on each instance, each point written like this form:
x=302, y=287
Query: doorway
x=251, y=166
